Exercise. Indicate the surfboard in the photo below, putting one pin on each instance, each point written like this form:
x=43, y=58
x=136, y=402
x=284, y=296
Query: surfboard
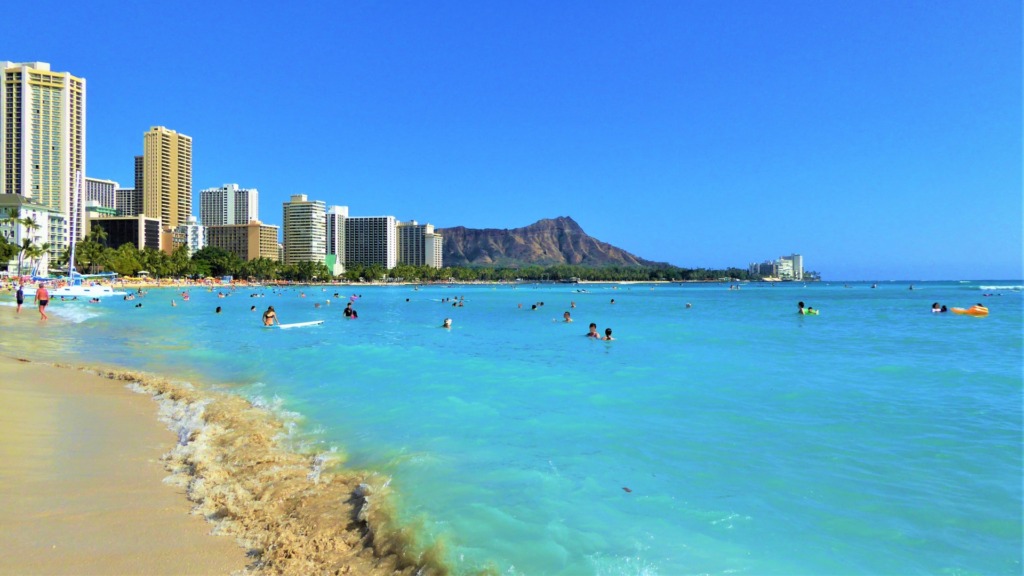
x=300, y=324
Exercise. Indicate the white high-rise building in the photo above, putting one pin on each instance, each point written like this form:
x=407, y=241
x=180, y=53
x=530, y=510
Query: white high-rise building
x=101, y=191
x=42, y=144
x=371, y=240
x=228, y=205
x=791, y=267
x=305, y=235
x=435, y=251
x=336, y=216
x=191, y=234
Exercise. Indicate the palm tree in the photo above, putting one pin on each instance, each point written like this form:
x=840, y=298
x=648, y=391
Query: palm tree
x=35, y=253
x=98, y=234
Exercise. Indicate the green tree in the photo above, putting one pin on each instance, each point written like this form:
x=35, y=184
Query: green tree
x=125, y=260
x=154, y=261
x=87, y=253
x=35, y=253
x=98, y=234
x=217, y=262
x=261, y=269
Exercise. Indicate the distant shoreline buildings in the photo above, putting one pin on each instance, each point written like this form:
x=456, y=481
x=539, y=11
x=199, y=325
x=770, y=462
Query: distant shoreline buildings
x=784, y=268
x=43, y=177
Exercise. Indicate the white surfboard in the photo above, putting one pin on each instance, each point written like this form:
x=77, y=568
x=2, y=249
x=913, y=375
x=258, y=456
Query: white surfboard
x=301, y=324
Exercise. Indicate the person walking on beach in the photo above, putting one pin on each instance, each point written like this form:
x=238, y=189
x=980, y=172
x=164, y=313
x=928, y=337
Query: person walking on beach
x=43, y=298
x=269, y=317
x=20, y=297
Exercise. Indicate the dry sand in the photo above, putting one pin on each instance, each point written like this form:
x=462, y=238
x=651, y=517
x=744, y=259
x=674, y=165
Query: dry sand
x=81, y=488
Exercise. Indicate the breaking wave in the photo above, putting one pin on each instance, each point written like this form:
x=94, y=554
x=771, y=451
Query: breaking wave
x=1010, y=287
x=297, y=511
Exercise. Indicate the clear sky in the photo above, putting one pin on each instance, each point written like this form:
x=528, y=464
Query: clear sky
x=880, y=139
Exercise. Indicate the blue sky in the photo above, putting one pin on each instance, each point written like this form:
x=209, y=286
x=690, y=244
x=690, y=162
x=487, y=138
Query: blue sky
x=881, y=140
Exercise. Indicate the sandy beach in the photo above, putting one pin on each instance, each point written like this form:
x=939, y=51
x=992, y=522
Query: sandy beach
x=81, y=482
x=93, y=480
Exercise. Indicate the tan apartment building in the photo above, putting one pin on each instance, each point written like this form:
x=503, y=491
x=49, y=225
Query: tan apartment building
x=249, y=241
x=167, y=179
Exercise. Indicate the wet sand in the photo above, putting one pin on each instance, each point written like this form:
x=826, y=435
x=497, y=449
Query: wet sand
x=81, y=482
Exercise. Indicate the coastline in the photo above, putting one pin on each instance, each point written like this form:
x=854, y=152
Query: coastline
x=80, y=478
x=288, y=512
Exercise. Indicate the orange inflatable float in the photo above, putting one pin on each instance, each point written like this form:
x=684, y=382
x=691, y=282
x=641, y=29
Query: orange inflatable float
x=976, y=310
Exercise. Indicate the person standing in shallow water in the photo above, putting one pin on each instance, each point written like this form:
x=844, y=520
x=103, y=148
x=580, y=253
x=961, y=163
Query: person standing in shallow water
x=269, y=317
x=43, y=298
x=20, y=297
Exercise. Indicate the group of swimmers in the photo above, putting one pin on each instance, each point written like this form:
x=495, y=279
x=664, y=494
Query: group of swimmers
x=593, y=333
x=805, y=311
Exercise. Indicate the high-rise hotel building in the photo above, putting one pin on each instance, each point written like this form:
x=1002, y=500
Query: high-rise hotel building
x=336, y=216
x=371, y=240
x=102, y=191
x=228, y=205
x=419, y=245
x=305, y=235
x=167, y=179
x=42, y=144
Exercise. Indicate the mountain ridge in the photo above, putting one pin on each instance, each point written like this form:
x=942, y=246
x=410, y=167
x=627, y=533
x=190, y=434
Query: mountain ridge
x=549, y=241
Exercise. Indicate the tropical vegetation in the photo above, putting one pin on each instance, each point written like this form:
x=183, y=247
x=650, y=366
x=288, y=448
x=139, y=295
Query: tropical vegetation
x=93, y=254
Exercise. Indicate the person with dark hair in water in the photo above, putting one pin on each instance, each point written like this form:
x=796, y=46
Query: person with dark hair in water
x=593, y=331
x=269, y=317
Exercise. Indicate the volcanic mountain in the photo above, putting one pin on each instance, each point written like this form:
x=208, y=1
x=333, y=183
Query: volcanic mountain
x=546, y=242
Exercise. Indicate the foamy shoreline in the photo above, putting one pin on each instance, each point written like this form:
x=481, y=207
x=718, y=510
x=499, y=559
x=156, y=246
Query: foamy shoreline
x=292, y=512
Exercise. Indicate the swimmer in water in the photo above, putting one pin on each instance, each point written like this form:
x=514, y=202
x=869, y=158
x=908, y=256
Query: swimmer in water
x=608, y=334
x=593, y=331
x=447, y=323
x=269, y=317
x=800, y=308
x=567, y=317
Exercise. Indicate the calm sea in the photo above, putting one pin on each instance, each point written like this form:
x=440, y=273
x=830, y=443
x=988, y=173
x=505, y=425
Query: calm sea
x=733, y=436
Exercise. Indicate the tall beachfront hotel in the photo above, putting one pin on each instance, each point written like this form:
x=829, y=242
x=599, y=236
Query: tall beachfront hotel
x=305, y=230
x=228, y=205
x=42, y=145
x=167, y=180
x=419, y=245
x=371, y=240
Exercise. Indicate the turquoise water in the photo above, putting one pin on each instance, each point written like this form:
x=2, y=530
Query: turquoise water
x=876, y=438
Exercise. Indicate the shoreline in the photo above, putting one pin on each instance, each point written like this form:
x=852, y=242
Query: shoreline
x=289, y=512
x=81, y=479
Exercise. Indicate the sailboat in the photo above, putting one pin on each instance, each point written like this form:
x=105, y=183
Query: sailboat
x=78, y=285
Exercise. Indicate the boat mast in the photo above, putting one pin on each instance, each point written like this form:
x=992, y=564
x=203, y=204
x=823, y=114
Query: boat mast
x=74, y=213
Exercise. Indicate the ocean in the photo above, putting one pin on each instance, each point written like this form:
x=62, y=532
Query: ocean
x=719, y=433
